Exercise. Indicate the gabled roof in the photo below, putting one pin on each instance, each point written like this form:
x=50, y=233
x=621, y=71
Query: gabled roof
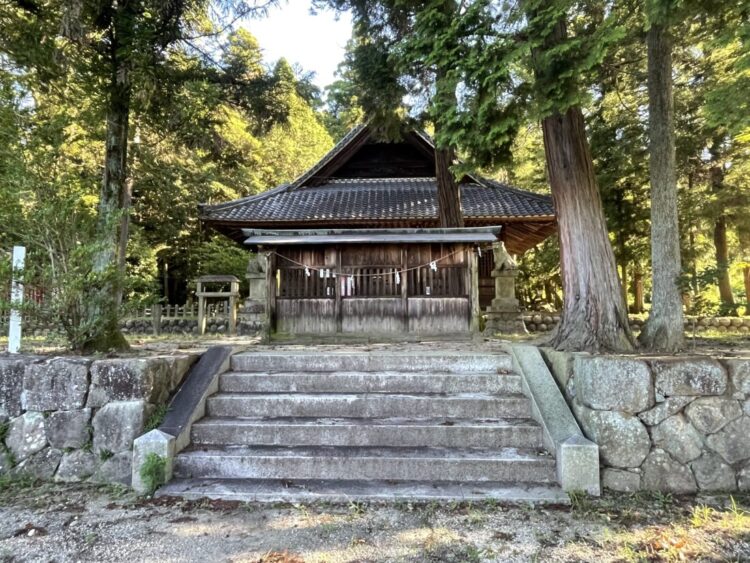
x=363, y=182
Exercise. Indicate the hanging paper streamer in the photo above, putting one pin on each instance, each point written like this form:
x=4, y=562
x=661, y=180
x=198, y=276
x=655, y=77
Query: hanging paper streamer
x=479, y=250
x=433, y=266
x=307, y=271
x=398, y=278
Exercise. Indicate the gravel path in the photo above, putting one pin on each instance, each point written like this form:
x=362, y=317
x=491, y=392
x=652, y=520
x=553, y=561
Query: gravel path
x=82, y=523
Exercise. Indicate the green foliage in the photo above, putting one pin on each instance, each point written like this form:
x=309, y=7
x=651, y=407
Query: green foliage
x=156, y=418
x=153, y=472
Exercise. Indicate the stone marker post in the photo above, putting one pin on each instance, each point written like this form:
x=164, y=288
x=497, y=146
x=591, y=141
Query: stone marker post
x=253, y=314
x=504, y=314
x=16, y=299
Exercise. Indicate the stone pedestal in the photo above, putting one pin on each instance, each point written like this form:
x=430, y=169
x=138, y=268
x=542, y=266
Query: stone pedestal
x=504, y=314
x=253, y=316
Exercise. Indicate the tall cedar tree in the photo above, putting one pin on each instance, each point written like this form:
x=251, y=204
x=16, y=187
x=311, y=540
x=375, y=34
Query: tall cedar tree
x=594, y=315
x=114, y=42
x=664, y=328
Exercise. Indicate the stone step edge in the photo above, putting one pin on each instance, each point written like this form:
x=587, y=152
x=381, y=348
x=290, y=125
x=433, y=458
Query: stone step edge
x=307, y=491
x=371, y=452
x=333, y=422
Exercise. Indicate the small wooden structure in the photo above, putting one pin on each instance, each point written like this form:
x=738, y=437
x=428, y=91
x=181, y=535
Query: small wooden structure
x=204, y=293
x=354, y=244
x=372, y=281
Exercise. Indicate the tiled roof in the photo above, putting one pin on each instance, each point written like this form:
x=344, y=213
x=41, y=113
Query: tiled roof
x=377, y=199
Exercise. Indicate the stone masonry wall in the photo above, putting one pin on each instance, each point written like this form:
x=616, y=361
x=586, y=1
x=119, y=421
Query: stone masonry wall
x=675, y=424
x=75, y=418
x=544, y=322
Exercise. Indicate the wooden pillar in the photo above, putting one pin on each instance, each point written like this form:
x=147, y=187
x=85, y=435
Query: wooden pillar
x=234, y=289
x=201, y=310
x=473, y=265
x=405, y=286
x=337, y=285
x=271, y=292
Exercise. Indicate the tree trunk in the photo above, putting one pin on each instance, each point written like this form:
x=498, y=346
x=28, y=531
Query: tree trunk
x=593, y=316
x=743, y=234
x=746, y=279
x=449, y=192
x=728, y=306
x=664, y=328
x=638, y=305
x=112, y=226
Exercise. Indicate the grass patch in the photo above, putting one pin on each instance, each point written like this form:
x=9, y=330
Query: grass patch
x=156, y=418
x=153, y=472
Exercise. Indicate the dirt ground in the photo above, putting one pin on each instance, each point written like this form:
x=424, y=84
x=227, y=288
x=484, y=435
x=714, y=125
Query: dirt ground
x=86, y=523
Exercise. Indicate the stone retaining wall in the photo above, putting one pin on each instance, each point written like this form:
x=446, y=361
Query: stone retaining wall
x=75, y=418
x=543, y=322
x=675, y=424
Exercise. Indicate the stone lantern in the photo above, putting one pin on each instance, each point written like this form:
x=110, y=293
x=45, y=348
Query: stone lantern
x=504, y=314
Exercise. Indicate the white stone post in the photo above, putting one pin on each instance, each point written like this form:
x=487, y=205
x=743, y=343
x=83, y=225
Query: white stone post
x=16, y=299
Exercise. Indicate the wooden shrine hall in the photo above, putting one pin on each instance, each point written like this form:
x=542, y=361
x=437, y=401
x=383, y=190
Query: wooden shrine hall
x=353, y=245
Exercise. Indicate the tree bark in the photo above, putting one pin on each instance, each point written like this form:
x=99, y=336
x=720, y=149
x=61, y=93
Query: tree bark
x=664, y=328
x=449, y=192
x=746, y=279
x=638, y=290
x=114, y=201
x=728, y=306
x=594, y=317
x=722, y=265
x=744, y=236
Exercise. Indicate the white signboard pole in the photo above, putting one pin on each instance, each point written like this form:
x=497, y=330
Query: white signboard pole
x=16, y=298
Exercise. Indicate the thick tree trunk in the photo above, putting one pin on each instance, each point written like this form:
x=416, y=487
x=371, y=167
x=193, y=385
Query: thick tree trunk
x=114, y=201
x=744, y=236
x=746, y=279
x=728, y=306
x=594, y=316
x=664, y=328
x=449, y=192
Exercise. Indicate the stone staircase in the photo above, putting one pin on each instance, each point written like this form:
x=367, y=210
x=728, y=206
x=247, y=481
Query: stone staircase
x=302, y=426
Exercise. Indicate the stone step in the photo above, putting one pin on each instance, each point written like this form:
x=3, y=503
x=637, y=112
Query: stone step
x=369, y=382
x=403, y=432
x=362, y=463
x=275, y=491
x=324, y=361
x=342, y=405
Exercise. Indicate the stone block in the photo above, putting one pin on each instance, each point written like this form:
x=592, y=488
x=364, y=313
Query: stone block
x=612, y=383
x=578, y=465
x=26, y=435
x=622, y=439
x=743, y=478
x=57, y=384
x=677, y=437
x=116, y=425
x=42, y=465
x=732, y=442
x=178, y=366
x=689, y=376
x=620, y=480
x=76, y=466
x=6, y=463
x=662, y=473
x=11, y=386
x=712, y=474
x=711, y=414
x=665, y=409
x=156, y=442
x=116, y=469
x=560, y=364
x=739, y=373
x=129, y=379
x=68, y=429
